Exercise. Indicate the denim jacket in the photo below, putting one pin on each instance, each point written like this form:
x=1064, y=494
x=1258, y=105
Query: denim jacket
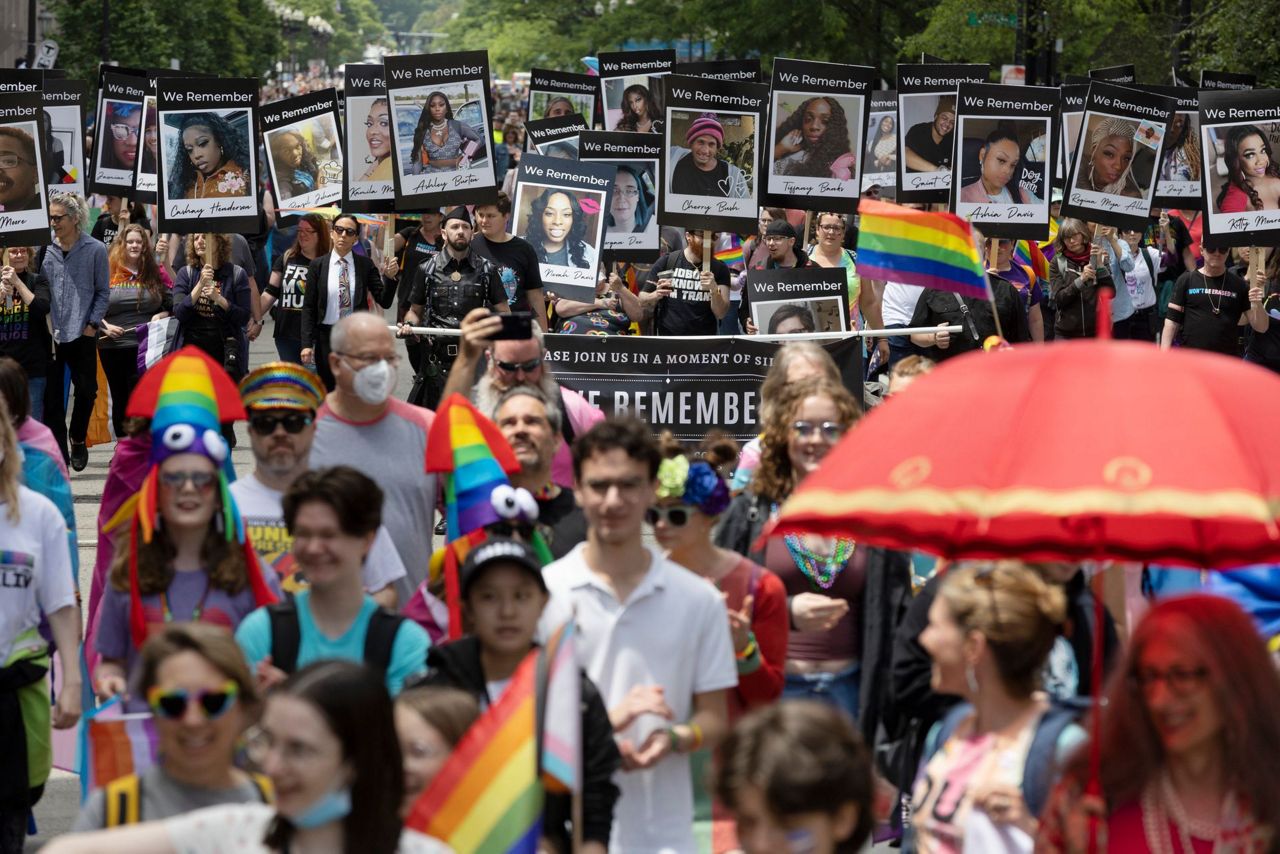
x=79, y=286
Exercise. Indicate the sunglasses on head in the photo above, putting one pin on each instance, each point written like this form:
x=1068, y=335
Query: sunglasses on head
x=513, y=367
x=265, y=425
x=342, y=229
x=172, y=705
x=676, y=517
x=830, y=430
x=201, y=480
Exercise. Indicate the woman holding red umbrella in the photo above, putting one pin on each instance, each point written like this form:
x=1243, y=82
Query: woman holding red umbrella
x=1188, y=721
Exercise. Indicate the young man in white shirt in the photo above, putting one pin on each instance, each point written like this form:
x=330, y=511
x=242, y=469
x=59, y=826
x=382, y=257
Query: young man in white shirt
x=652, y=636
x=281, y=399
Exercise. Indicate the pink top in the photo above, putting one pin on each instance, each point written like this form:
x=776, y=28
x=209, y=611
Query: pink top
x=1125, y=833
x=582, y=417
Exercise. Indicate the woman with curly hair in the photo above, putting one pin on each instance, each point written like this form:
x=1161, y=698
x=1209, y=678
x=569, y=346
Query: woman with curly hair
x=439, y=139
x=813, y=142
x=1253, y=176
x=1108, y=163
x=640, y=112
x=212, y=152
x=1186, y=717
x=297, y=171
x=556, y=229
x=882, y=150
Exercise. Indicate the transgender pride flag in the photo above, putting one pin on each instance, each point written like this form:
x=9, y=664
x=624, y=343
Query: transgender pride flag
x=114, y=747
x=561, y=712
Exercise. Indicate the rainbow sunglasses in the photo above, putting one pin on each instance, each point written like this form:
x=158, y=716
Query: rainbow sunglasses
x=172, y=705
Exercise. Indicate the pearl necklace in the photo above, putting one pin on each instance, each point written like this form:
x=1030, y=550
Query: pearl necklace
x=1161, y=804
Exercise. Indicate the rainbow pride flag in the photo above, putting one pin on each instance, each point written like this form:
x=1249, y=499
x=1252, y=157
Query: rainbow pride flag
x=111, y=748
x=731, y=254
x=1027, y=253
x=487, y=798
x=561, y=712
x=930, y=250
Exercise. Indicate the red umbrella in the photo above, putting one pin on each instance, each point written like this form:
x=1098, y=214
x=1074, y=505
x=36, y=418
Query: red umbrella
x=1072, y=451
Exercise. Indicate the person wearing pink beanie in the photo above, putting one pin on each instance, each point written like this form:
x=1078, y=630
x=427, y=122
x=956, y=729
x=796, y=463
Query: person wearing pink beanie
x=698, y=170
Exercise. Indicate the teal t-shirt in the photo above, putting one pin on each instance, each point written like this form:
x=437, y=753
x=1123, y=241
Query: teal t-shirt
x=408, y=651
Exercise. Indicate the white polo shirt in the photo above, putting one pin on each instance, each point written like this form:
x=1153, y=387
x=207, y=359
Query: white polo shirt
x=332, y=304
x=672, y=631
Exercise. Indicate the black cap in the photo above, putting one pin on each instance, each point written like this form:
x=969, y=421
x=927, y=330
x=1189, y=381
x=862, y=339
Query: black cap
x=460, y=212
x=780, y=227
x=499, y=550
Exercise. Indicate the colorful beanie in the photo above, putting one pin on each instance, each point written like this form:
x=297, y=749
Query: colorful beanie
x=707, y=123
x=282, y=385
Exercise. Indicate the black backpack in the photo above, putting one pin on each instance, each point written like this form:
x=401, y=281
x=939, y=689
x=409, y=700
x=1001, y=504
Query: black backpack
x=286, y=637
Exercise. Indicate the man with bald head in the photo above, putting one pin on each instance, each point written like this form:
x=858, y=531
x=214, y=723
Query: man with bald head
x=361, y=425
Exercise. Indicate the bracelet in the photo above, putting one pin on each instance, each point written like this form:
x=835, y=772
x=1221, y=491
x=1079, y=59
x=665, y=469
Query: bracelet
x=697, y=737
x=748, y=650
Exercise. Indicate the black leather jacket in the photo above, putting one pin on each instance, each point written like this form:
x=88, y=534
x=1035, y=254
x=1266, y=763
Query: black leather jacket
x=448, y=299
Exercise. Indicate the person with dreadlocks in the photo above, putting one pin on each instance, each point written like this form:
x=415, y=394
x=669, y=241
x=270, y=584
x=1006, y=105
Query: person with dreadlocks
x=184, y=554
x=814, y=141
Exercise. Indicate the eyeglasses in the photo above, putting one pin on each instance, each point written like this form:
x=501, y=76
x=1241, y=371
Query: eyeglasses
x=201, y=480
x=10, y=161
x=677, y=516
x=259, y=745
x=265, y=425
x=519, y=367
x=627, y=192
x=172, y=705
x=776, y=238
x=123, y=132
x=1181, y=680
x=369, y=359
x=839, y=226
x=830, y=430
x=54, y=219
x=342, y=229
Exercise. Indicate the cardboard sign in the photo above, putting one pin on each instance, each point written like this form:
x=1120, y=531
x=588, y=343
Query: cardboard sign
x=741, y=70
x=304, y=151
x=64, y=106
x=557, y=137
x=1239, y=133
x=24, y=207
x=369, y=185
x=1178, y=181
x=1229, y=80
x=631, y=89
x=926, y=127
x=561, y=93
x=880, y=151
x=631, y=224
x=790, y=300
x=117, y=138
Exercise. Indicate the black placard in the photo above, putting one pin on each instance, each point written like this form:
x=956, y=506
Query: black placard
x=115, y=161
x=147, y=168
x=557, y=137
x=635, y=192
x=1178, y=181
x=302, y=139
x=1237, y=131
x=467, y=175
x=64, y=105
x=1228, y=80
x=368, y=185
x=1005, y=141
x=560, y=207
x=795, y=300
x=24, y=209
x=741, y=70
x=634, y=76
x=1115, y=74
x=725, y=119
x=818, y=120
x=686, y=386
x=560, y=93
x=880, y=146
x=1073, y=98
x=926, y=127
x=208, y=169
x=1113, y=172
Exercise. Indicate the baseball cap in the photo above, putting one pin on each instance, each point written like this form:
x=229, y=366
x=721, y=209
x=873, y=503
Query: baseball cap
x=780, y=228
x=499, y=550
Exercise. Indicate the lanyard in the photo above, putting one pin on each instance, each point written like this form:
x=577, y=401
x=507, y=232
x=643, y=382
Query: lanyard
x=195, y=613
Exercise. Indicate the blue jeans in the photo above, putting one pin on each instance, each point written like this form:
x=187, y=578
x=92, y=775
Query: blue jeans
x=36, y=385
x=840, y=689
x=289, y=350
x=900, y=346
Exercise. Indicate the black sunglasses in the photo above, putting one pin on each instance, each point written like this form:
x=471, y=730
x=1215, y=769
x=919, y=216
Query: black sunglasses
x=676, y=517
x=54, y=219
x=342, y=229
x=513, y=367
x=265, y=425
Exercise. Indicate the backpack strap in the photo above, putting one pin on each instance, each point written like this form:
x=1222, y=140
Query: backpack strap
x=1042, y=756
x=1151, y=268
x=945, y=729
x=286, y=635
x=266, y=791
x=123, y=798
x=380, y=638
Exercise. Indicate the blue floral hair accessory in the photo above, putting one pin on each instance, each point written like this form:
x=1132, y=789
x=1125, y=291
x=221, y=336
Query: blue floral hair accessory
x=697, y=484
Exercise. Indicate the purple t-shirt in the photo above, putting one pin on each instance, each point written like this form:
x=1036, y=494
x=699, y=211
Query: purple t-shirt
x=220, y=608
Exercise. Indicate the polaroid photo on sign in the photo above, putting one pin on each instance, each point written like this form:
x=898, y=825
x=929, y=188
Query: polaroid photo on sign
x=369, y=141
x=121, y=131
x=208, y=163
x=813, y=144
x=1113, y=172
x=305, y=159
x=927, y=138
x=798, y=316
x=441, y=135
x=632, y=221
x=1149, y=134
x=633, y=104
x=1000, y=179
x=1181, y=167
x=564, y=226
x=64, y=130
x=1243, y=176
x=880, y=151
x=22, y=196
x=148, y=163
x=712, y=161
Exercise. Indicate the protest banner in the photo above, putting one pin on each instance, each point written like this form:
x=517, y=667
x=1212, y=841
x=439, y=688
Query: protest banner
x=689, y=386
x=147, y=169
x=1229, y=80
x=631, y=225
x=24, y=210
x=64, y=105
x=1178, y=181
x=926, y=127
x=1113, y=173
x=741, y=70
x=443, y=151
x=631, y=89
x=880, y=153
x=1005, y=144
x=559, y=208
x=208, y=170
x=819, y=117
x=556, y=137
x=1241, y=176
x=304, y=152
x=118, y=132
x=1115, y=74
x=560, y=93
x=711, y=139
x=792, y=300
x=1073, y=98
x=368, y=186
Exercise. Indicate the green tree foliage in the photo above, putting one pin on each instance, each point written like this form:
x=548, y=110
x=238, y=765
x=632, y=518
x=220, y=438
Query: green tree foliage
x=1234, y=36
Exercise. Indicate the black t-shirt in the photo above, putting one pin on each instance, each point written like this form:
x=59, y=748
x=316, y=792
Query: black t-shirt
x=24, y=333
x=289, y=294
x=1181, y=240
x=1211, y=309
x=937, y=307
x=516, y=264
x=416, y=250
x=687, y=311
x=1264, y=347
x=920, y=140
x=564, y=518
x=106, y=228
x=689, y=180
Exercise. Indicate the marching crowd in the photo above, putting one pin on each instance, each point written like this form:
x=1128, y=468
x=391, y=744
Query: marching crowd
x=303, y=664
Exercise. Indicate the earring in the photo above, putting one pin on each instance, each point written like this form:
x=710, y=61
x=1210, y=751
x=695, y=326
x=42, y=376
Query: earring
x=971, y=679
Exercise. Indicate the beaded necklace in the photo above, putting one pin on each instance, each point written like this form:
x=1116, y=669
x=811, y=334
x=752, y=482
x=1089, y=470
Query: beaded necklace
x=822, y=570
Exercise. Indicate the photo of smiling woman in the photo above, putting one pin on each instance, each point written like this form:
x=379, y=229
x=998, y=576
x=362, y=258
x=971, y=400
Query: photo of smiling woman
x=120, y=145
x=641, y=111
x=1252, y=174
x=557, y=225
x=440, y=142
x=997, y=166
x=631, y=207
x=19, y=168
x=813, y=140
x=882, y=144
x=209, y=154
x=1107, y=157
x=377, y=136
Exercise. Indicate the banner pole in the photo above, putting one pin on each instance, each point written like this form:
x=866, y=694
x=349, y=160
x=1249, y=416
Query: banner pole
x=808, y=223
x=790, y=336
x=991, y=294
x=708, y=249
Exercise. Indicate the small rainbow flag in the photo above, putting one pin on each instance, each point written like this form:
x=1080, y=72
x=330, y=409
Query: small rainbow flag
x=561, y=712
x=1028, y=254
x=487, y=798
x=731, y=254
x=931, y=250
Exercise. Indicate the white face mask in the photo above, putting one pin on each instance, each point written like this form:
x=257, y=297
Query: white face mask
x=373, y=383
